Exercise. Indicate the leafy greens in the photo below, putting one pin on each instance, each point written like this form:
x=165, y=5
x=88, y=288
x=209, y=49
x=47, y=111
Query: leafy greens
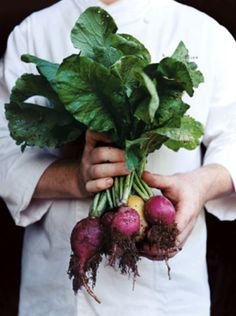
x=110, y=86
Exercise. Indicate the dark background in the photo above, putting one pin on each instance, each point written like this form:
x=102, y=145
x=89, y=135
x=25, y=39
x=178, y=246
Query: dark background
x=221, y=255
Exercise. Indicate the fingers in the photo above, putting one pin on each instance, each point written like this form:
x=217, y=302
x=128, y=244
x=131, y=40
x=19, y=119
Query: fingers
x=93, y=186
x=108, y=170
x=92, y=138
x=107, y=154
x=101, y=164
x=157, y=181
x=153, y=252
x=101, y=175
x=184, y=234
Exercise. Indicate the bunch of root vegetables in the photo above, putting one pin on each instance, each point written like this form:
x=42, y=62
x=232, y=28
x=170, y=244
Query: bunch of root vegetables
x=125, y=223
x=112, y=86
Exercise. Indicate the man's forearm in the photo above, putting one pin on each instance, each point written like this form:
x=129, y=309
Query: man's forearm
x=214, y=181
x=60, y=180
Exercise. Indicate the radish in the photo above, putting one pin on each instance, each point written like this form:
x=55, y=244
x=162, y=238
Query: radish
x=106, y=221
x=137, y=203
x=160, y=213
x=125, y=227
x=126, y=221
x=159, y=209
x=86, y=244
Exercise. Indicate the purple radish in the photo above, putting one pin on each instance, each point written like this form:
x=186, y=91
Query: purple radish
x=159, y=209
x=160, y=214
x=125, y=227
x=106, y=221
x=86, y=244
x=126, y=221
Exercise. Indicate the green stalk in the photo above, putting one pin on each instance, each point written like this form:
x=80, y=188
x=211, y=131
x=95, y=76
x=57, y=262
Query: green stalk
x=127, y=188
x=99, y=207
x=143, y=187
x=117, y=190
x=94, y=203
x=109, y=198
x=121, y=185
x=113, y=196
x=140, y=192
x=147, y=188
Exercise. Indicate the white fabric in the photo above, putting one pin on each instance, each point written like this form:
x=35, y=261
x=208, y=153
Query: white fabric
x=45, y=287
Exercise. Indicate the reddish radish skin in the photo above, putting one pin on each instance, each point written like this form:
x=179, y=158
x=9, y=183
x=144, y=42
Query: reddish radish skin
x=86, y=244
x=106, y=221
x=125, y=227
x=107, y=218
x=86, y=238
x=161, y=236
x=126, y=221
x=159, y=209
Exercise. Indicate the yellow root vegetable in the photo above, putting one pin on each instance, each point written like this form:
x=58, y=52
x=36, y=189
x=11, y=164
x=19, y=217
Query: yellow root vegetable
x=137, y=203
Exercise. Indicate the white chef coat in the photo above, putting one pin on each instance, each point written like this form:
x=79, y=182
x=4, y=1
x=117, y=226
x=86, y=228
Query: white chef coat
x=45, y=286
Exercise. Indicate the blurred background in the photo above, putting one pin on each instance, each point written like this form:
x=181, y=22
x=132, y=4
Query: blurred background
x=221, y=256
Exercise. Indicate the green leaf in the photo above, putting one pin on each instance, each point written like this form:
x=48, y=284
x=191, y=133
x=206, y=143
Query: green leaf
x=170, y=108
x=146, y=110
x=92, y=94
x=29, y=85
x=127, y=69
x=129, y=45
x=95, y=35
x=45, y=68
x=153, y=141
x=175, y=70
x=186, y=136
x=134, y=154
x=181, y=54
x=106, y=56
x=33, y=125
x=92, y=29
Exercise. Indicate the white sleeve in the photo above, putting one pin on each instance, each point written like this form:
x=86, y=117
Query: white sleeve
x=19, y=173
x=220, y=131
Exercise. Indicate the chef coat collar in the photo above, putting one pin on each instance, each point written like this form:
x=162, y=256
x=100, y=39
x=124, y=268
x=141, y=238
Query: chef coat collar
x=123, y=11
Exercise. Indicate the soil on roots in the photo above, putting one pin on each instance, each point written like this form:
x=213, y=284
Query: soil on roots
x=84, y=276
x=124, y=254
x=164, y=236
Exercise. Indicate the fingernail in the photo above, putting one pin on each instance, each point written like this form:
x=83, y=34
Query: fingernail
x=109, y=181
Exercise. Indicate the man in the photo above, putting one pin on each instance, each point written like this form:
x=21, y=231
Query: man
x=48, y=193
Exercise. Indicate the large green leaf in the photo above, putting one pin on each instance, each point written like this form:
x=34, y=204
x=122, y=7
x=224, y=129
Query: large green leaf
x=129, y=45
x=29, y=85
x=146, y=110
x=175, y=70
x=33, y=125
x=170, y=109
x=92, y=29
x=92, y=94
x=95, y=35
x=45, y=68
x=30, y=124
x=186, y=136
x=181, y=54
x=127, y=69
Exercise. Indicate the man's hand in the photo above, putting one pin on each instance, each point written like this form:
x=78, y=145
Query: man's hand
x=189, y=192
x=80, y=178
x=99, y=164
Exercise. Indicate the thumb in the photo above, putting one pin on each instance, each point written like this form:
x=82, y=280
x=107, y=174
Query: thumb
x=156, y=180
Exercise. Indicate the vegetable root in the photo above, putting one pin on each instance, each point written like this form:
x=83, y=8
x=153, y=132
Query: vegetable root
x=87, y=247
x=125, y=227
